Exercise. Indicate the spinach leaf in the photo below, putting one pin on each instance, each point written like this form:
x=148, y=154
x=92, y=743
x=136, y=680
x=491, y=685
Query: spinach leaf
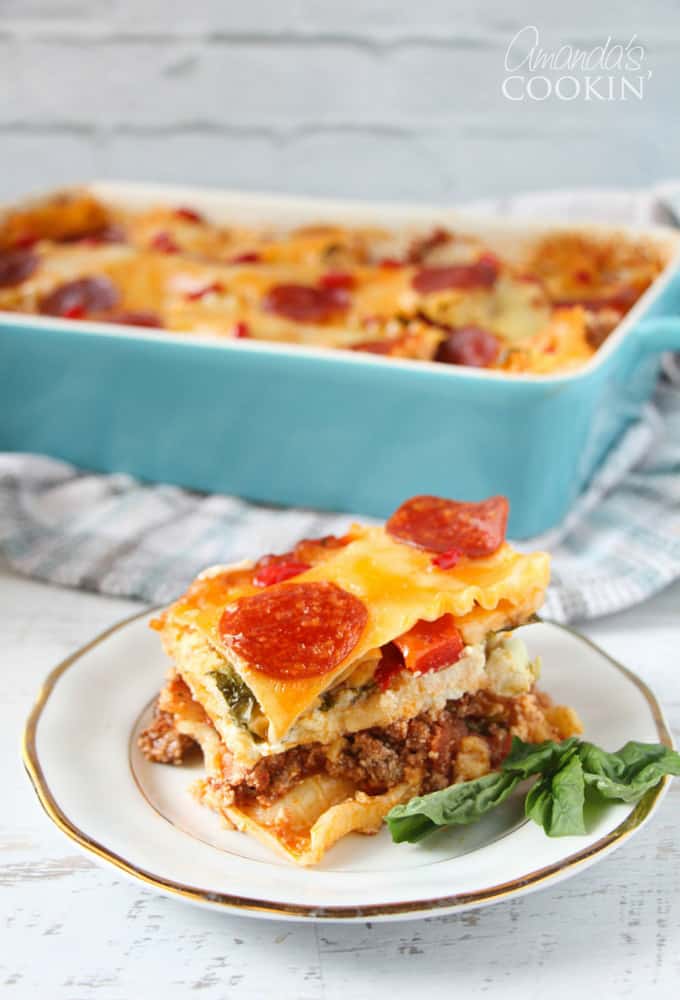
x=458, y=804
x=237, y=694
x=630, y=772
x=526, y=759
x=328, y=699
x=556, y=801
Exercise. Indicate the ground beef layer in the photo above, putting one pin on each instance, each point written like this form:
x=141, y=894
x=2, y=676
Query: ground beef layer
x=467, y=738
x=162, y=742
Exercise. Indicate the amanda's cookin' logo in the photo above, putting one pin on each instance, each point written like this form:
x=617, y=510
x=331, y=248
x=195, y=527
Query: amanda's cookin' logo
x=613, y=71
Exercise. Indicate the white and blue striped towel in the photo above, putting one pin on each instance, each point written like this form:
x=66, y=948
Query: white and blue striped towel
x=619, y=545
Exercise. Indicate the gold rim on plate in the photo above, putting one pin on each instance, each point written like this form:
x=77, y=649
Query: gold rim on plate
x=35, y=772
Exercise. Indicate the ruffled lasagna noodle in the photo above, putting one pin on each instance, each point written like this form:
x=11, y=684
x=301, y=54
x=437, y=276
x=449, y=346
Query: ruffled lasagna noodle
x=423, y=295
x=306, y=743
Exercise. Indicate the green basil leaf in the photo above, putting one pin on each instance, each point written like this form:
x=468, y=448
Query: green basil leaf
x=630, y=772
x=538, y=803
x=458, y=804
x=526, y=759
x=409, y=829
x=556, y=800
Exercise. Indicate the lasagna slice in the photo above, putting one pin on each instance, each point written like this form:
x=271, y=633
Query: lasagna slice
x=330, y=683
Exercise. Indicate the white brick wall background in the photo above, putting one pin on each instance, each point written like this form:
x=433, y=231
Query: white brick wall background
x=367, y=98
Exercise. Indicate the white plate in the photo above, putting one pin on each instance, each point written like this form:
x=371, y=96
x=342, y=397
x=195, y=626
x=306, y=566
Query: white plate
x=80, y=752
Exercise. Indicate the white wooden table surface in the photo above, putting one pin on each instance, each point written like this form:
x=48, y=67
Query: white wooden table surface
x=72, y=930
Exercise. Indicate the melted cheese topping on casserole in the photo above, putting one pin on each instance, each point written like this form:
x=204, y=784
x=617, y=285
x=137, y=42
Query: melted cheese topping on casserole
x=399, y=586
x=195, y=275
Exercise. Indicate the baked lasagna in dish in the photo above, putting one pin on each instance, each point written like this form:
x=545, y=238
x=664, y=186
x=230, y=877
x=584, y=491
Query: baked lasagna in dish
x=328, y=684
x=439, y=295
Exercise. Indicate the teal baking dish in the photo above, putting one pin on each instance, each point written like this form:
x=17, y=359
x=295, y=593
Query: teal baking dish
x=328, y=429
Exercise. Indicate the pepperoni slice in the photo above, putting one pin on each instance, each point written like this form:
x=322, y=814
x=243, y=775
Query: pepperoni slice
x=249, y=257
x=482, y=274
x=81, y=297
x=469, y=345
x=621, y=300
x=306, y=303
x=337, y=279
x=439, y=525
x=241, y=331
x=277, y=572
x=431, y=645
x=295, y=630
x=16, y=266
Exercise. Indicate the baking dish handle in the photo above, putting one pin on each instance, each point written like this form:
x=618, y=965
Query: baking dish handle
x=657, y=334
